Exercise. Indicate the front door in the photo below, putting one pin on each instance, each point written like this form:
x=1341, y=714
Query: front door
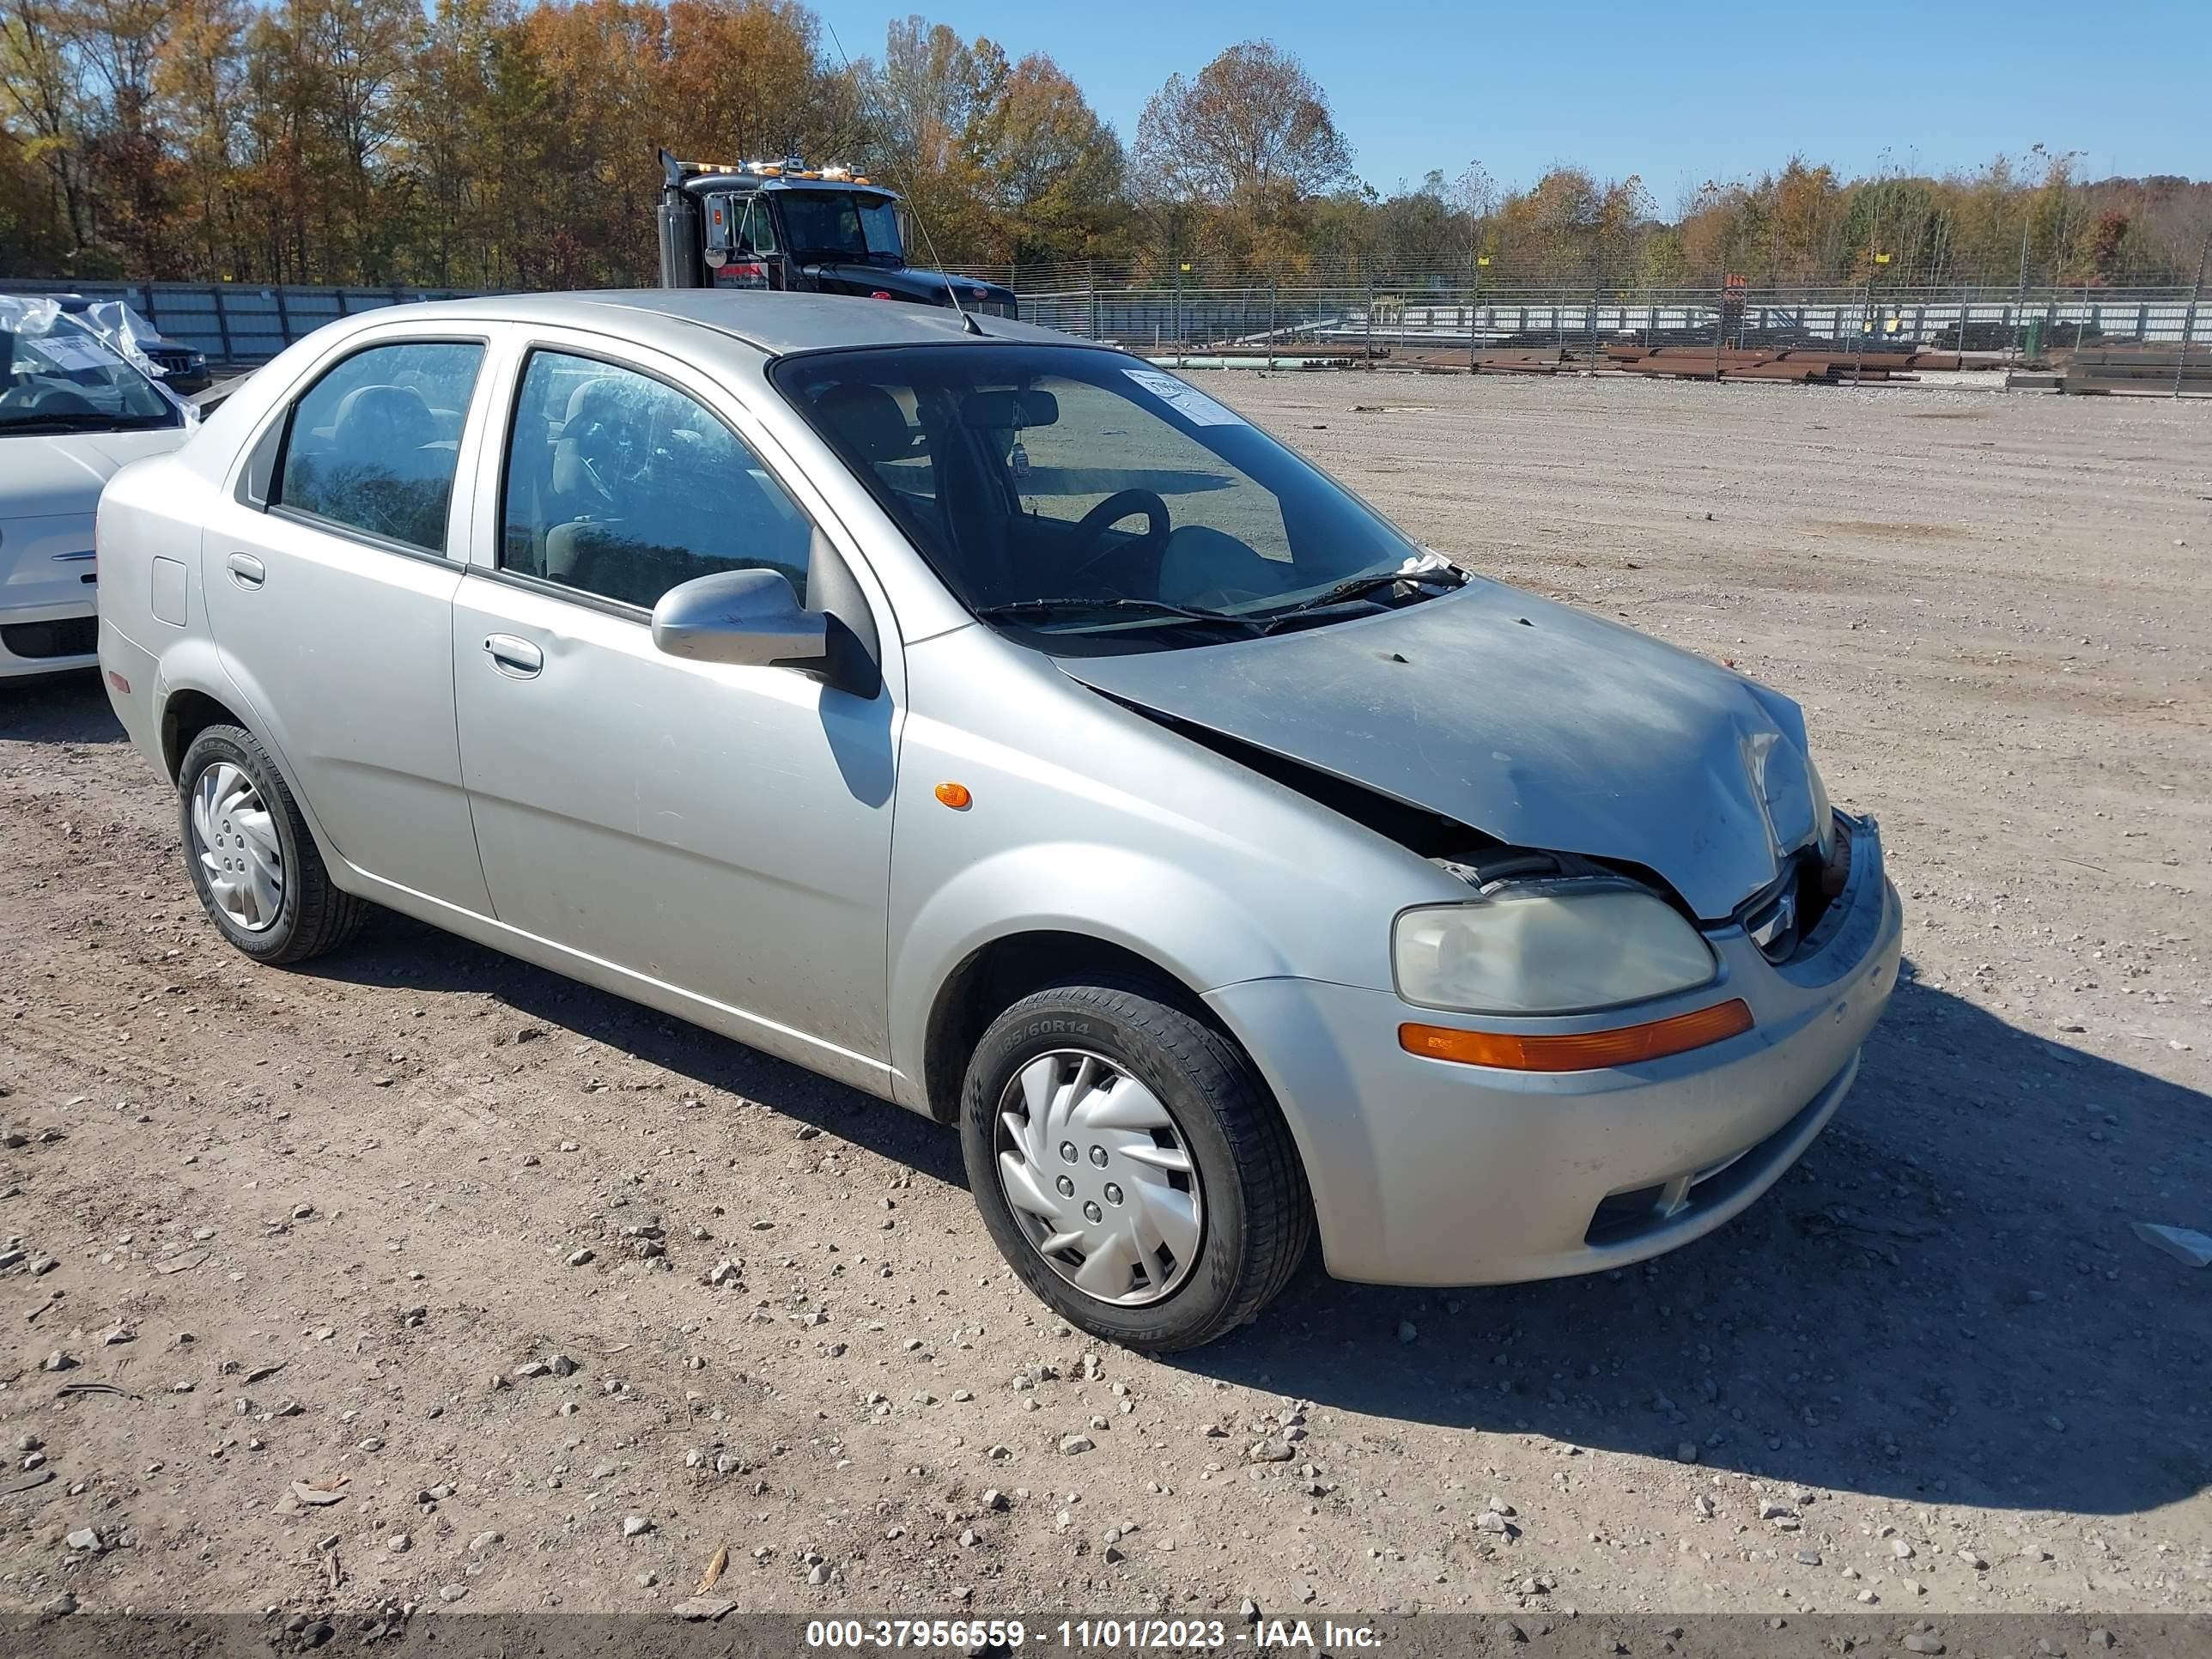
x=332, y=604
x=719, y=830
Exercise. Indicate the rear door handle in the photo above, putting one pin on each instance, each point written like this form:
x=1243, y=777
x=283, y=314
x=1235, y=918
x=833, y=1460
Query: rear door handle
x=247, y=570
x=514, y=657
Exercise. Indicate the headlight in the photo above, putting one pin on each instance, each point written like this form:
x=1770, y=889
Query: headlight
x=1548, y=948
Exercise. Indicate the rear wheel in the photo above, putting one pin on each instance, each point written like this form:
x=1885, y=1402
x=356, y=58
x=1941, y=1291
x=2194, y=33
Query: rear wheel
x=251, y=857
x=1131, y=1166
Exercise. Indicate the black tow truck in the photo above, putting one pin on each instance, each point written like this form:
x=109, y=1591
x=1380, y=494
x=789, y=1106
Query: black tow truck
x=785, y=225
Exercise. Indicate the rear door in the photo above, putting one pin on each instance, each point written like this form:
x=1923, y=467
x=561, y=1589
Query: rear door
x=330, y=584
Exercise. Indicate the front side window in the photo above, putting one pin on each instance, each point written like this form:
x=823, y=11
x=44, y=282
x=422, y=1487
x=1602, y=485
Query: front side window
x=1085, y=493
x=372, y=444
x=620, y=486
x=757, y=230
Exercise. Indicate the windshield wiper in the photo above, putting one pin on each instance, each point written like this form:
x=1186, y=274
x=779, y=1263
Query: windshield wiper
x=96, y=423
x=1354, y=587
x=57, y=423
x=1163, y=609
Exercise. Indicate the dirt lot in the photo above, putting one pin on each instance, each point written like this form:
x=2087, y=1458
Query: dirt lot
x=313, y=1225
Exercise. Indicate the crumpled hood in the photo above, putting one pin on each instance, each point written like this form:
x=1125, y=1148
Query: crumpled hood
x=1533, y=722
x=44, y=475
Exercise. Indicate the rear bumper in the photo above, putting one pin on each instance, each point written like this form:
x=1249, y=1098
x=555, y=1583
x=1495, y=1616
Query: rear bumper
x=132, y=675
x=1428, y=1172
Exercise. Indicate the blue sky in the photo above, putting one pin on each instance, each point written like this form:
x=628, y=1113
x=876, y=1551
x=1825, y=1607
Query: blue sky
x=1646, y=88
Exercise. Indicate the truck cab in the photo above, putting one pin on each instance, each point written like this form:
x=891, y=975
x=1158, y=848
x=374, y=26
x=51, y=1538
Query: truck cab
x=785, y=225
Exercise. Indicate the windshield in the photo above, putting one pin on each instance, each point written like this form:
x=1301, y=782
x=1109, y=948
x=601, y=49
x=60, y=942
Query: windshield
x=58, y=375
x=1083, y=493
x=841, y=224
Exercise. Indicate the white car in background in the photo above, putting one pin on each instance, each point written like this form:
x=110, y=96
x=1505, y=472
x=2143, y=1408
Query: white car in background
x=73, y=410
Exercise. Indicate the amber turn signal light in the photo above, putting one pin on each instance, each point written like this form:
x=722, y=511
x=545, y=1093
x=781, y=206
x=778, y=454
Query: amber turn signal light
x=1584, y=1051
x=954, y=795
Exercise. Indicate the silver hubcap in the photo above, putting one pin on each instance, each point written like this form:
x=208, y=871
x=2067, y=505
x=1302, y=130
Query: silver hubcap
x=237, y=846
x=1096, y=1173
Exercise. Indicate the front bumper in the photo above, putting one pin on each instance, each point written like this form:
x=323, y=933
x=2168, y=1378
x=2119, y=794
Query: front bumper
x=48, y=639
x=49, y=592
x=1429, y=1172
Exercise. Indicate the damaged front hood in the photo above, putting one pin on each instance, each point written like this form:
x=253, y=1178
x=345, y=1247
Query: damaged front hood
x=1533, y=722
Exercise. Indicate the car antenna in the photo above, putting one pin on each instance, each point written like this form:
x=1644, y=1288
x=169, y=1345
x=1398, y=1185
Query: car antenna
x=905, y=183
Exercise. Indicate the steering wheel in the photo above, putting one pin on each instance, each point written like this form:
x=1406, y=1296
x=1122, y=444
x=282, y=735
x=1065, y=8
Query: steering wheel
x=48, y=400
x=1108, y=512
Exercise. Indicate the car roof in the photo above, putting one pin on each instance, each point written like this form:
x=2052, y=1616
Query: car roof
x=774, y=323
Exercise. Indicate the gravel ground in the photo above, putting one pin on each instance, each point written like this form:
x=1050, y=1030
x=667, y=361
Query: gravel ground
x=425, y=1275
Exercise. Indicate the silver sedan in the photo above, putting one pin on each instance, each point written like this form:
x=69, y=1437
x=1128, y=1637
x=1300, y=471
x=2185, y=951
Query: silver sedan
x=1003, y=726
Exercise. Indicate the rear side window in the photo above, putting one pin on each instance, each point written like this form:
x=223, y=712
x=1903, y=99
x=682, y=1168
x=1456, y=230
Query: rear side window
x=620, y=486
x=372, y=444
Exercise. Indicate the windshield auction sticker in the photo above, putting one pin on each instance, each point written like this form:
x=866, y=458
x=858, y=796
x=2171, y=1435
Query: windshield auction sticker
x=72, y=354
x=1185, y=400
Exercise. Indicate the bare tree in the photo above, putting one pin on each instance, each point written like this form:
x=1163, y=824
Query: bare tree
x=1474, y=198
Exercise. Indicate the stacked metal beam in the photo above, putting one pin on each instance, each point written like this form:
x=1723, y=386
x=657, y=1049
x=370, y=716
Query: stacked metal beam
x=1826, y=364
x=2143, y=371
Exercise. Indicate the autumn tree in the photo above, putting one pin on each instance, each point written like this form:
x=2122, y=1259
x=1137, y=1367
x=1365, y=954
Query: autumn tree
x=510, y=143
x=198, y=79
x=1248, y=144
x=933, y=101
x=470, y=110
x=119, y=45
x=358, y=53
x=745, y=81
x=1048, y=168
x=41, y=99
x=605, y=112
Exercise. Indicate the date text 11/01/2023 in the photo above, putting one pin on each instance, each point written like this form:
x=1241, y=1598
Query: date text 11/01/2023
x=1123, y=1635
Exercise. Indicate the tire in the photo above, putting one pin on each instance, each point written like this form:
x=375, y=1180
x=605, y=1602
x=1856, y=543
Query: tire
x=311, y=914
x=1254, y=1213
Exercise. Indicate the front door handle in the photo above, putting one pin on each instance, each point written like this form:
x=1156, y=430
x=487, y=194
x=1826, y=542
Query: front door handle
x=247, y=570
x=514, y=657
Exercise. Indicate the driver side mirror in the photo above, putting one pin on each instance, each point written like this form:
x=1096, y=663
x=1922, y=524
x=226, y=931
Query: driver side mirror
x=751, y=617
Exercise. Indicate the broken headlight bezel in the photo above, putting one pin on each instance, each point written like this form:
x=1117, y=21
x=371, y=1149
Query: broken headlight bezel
x=1824, y=814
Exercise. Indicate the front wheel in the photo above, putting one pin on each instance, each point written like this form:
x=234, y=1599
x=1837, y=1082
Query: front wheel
x=1132, y=1167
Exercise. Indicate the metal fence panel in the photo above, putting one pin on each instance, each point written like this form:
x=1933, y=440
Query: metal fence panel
x=2135, y=340
x=240, y=323
x=2129, y=332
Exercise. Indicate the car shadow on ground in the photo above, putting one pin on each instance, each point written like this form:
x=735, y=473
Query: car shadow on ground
x=397, y=951
x=1942, y=1303
x=57, y=709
